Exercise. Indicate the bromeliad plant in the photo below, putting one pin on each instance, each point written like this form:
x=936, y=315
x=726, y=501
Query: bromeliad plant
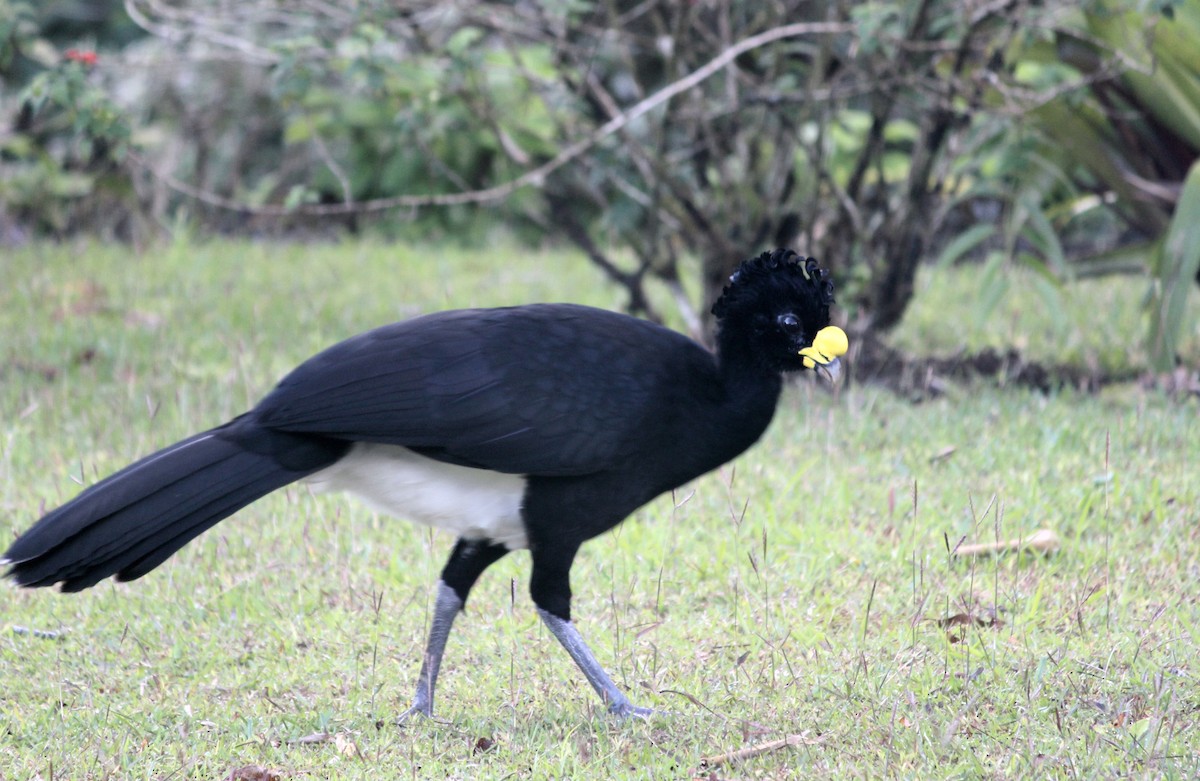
x=1116, y=143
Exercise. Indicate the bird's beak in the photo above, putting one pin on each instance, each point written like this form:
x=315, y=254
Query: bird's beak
x=832, y=371
x=829, y=344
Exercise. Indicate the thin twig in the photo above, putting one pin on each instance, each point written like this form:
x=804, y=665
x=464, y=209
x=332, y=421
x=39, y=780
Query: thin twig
x=761, y=748
x=331, y=163
x=198, y=29
x=1041, y=541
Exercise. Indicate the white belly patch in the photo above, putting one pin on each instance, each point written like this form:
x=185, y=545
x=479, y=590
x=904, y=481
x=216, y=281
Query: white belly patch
x=471, y=503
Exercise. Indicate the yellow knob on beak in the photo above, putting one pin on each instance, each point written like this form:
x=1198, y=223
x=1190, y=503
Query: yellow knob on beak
x=828, y=345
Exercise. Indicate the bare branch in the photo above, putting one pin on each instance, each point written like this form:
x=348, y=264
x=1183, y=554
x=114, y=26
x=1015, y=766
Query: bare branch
x=331, y=164
x=253, y=53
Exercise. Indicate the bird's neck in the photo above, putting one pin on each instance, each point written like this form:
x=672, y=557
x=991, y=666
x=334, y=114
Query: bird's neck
x=750, y=386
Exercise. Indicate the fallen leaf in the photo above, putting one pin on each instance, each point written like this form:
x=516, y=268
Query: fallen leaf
x=967, y=620
x=252, y=773
x=83, y=298
x=148, y=320
x=345, y=746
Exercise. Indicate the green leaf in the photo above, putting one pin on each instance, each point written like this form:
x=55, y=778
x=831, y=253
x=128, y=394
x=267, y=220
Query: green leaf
x=66, y=184
x=993, y=285
x=296, y=196
x=462, y=41
x=1165, y=64
x=297, y=131
x=1177, y=263
x=1172, y=95
x=1049, y=290
x=963, y=243
x=1042, y=235
x=1133, y=258
x=1091, y=147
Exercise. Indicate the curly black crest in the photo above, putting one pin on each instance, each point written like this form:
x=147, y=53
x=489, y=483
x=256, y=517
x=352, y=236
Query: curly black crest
x=781, y=266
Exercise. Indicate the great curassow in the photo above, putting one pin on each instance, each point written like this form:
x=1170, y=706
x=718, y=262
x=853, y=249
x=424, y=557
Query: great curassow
x=533, y=427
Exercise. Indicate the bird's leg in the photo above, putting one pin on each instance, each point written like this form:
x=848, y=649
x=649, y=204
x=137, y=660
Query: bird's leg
x=467, y=562
x=447, y=608
x=618, y=704
x=550, y=586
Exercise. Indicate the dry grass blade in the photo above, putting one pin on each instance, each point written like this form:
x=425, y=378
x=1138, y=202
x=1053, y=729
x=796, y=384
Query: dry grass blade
x=761, y=748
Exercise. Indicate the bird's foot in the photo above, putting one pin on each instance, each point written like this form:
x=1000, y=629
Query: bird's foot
x=418, y=709
x=627, y=710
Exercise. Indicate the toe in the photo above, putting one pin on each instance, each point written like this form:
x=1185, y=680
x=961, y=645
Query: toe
x=415, y=710
x=627, y=710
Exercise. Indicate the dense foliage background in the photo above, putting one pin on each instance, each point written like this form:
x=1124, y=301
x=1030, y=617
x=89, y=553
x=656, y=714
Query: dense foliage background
x=665, y=140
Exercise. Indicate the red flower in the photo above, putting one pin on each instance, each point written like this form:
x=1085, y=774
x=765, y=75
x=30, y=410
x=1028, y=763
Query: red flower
x=86, y=57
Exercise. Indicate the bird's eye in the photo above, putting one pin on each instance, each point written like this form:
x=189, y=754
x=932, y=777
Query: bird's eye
x=789, y=323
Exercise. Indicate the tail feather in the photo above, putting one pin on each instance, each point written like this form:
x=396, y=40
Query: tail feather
x=155, y=552
x=132, y=521
x=84, y=536
x=105, y=549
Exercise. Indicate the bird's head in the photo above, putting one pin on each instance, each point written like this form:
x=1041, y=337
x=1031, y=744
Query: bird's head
x=777, y=305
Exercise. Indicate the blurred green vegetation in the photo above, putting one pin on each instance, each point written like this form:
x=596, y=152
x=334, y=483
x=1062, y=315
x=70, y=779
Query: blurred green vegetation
x=1097, y=325
x=1062, y=140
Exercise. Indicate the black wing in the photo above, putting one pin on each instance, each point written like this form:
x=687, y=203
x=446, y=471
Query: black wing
x=550, y=389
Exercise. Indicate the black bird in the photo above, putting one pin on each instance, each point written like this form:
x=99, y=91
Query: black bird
x=532, y=427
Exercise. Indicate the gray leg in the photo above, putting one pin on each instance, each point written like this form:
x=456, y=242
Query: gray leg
x=444, y=612
x=618, y=704
x=467, y=562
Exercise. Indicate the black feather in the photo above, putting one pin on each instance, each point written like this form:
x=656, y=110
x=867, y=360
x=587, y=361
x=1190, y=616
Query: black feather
x=153, y=507
x=545, y=389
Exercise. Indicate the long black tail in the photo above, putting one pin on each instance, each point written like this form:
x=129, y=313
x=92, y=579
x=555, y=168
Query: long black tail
x=132, y=521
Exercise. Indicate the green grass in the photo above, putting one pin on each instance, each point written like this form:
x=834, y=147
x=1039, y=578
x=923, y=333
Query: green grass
x=795, y=592
x=1097, y=324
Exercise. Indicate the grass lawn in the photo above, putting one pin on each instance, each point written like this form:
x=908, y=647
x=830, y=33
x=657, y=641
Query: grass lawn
x=805, y=591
